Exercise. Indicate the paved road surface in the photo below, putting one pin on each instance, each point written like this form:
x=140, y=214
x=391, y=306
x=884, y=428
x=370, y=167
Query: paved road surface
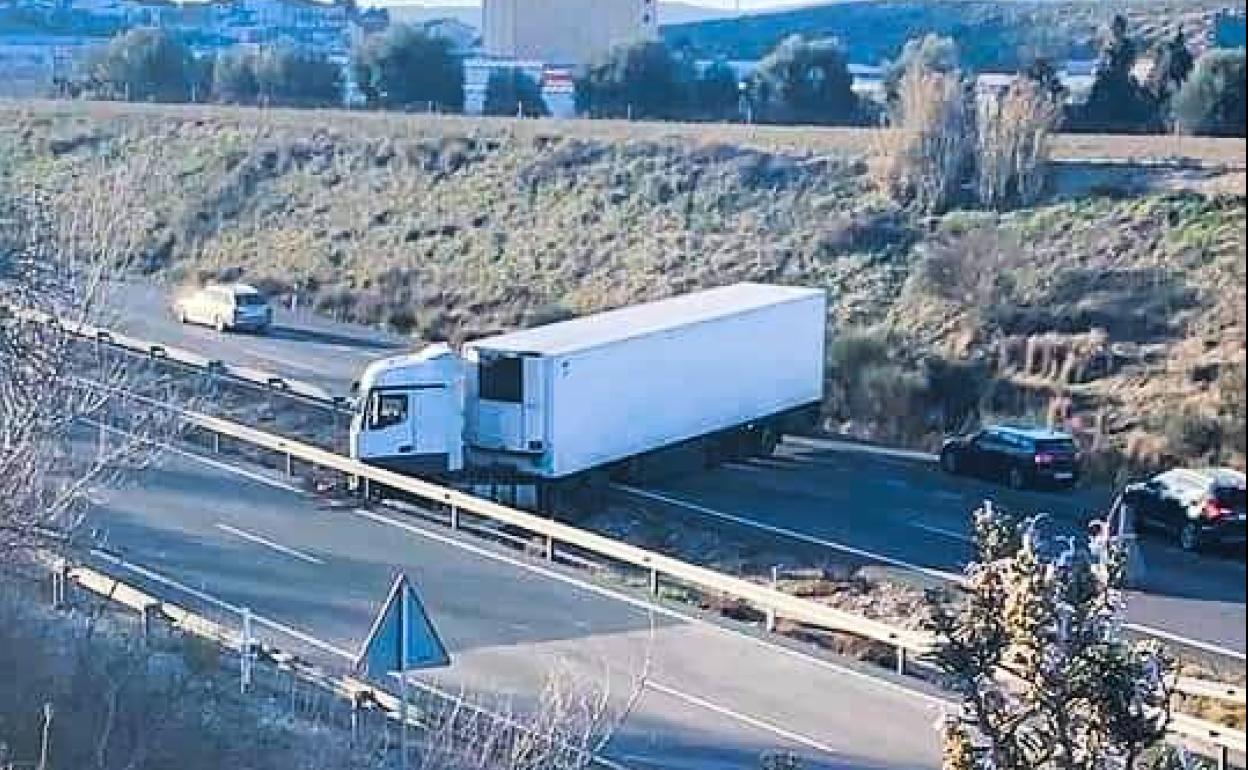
x=899, y=508
x=715, y=698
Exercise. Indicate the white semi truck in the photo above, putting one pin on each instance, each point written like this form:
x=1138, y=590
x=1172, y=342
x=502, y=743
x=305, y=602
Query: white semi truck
x=521, y=416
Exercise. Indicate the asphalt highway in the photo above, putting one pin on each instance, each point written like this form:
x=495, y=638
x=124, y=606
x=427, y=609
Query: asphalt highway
x=202, y=533
x=900, y=509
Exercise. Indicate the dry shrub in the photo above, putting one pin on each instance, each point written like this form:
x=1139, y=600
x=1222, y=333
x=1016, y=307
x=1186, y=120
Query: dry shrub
x=1012, y=144
x=923, y=160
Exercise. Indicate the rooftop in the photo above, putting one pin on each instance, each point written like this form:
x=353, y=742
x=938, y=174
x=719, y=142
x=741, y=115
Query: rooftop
x=639, y=320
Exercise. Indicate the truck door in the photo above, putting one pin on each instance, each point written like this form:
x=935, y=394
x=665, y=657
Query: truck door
x=387, y=426
x=534, y=397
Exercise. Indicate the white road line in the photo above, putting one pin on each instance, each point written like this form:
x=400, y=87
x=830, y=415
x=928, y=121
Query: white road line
x=1183, y=640
x=949, y=533
x=790, y=533
x=745, y=719
x=207, y=598
x=245, y=535
x=655, y=608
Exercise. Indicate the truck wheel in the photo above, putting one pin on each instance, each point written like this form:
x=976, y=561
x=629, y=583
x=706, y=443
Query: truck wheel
x=766, y=440
x=1189, y=537
x=1016, y=478
x=949, y=463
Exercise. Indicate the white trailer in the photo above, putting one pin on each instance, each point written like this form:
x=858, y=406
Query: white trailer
x=727, y=368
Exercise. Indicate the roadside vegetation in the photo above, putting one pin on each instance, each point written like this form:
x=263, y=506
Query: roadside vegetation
x=801, y=80
x=1118, y=313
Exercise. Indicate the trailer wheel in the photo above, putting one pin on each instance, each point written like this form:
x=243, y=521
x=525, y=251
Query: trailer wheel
x=766, y=441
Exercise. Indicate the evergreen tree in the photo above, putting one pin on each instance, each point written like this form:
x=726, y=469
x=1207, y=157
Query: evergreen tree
x=405, y=68
x=510, y=91
x=1117, y=102
x=805, y=81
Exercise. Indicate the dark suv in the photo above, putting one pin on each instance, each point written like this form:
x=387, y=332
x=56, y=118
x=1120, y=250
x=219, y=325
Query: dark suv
x=1198, y=507
x=1020, y=457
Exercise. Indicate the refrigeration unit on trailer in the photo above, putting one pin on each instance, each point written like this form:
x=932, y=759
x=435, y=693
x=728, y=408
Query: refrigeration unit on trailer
x=729, y=367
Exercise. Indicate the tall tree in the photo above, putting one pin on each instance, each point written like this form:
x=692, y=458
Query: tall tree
x=1046, y=678
x=512, y=91
x=405, y=68
x=297, y=77
x=641, y=79
x=146, y=64
x=717, y=93
x=1172, y=63
x=1117, y=101
x=930, y=53
x=1212, y=101
x=1044, y=75
x=234, y=77
x=805, y=81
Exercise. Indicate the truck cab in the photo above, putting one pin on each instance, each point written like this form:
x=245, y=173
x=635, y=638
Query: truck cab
x=410, y=417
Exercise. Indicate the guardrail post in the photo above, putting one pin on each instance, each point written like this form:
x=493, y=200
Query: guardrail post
x=771, y=611
x=148, y=620
x=901, y=661
x=454, y=516
x=216, y=443
x=290, y=465
x=244, y=658
x=654, y=581
x=550, y=548
x=1224, y=758
x=60, y=580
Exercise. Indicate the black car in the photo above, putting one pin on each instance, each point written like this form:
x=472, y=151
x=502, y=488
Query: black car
x=1021, y=457
x=1198, y=507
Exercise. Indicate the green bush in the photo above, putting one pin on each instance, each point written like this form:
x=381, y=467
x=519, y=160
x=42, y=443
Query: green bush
x=1212, y=100
x=277, y=76
x=805, y=81
x=147, y=64
x=510, y=91
x=641, y=80
x=406, y=68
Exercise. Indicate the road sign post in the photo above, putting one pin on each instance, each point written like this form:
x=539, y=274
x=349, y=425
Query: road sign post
x=402, y=639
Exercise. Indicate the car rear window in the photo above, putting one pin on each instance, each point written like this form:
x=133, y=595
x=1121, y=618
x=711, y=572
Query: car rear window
x=1232, y=497
x=248, y=300
x=1056, y=446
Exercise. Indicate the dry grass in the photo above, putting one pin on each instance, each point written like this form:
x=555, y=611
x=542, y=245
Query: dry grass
x=448, y=228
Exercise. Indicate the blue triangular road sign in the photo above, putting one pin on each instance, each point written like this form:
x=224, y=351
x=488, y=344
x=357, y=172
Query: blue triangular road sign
x=402, y=637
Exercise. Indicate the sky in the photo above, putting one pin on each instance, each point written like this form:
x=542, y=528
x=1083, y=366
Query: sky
x=746, y=5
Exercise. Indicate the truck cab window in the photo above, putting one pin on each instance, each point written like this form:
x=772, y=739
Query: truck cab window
x=386, y=410
x=502, y=379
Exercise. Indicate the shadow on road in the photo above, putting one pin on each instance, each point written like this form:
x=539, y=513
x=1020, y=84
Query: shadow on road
x=322, y=337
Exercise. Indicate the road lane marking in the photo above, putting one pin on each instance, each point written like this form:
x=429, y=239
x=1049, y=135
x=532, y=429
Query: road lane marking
x=744, y=719
x=657, y=609
x=208, y=598
x=949, y=533
x=694, y=700
x=790, y=533
x=245, y=535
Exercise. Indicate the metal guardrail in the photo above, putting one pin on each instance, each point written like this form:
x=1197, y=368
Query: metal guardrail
x=357, y=692
x=905, y=642
x=213, y=366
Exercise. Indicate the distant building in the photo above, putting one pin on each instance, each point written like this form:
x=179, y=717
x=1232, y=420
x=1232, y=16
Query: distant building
x=568, y=32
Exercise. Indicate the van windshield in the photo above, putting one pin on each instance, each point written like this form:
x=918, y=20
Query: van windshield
x=248, y=300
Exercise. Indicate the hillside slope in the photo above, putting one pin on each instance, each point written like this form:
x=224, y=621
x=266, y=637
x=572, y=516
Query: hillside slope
x=1122, y=315
x=991, y=35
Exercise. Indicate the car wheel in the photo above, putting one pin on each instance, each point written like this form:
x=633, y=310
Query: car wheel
x=1189, y=537
x=1016, y=479
x=949, y=463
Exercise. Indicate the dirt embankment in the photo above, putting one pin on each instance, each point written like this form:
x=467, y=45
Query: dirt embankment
x=1116, y=307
